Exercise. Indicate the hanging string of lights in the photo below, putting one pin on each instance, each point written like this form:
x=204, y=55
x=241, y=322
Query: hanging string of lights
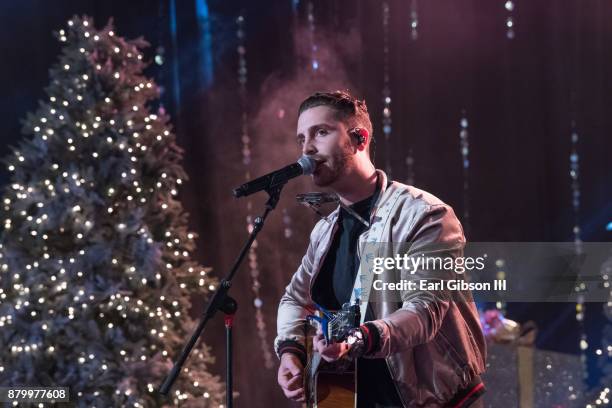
x=465, y=162
x=312, y=32
x=414, y=20
x=262, y=333
x=509, y=6
x=386, y=87
x=414, y=35
x=574, y=172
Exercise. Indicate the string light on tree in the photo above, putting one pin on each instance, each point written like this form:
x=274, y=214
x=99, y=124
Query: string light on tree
x=601, y=396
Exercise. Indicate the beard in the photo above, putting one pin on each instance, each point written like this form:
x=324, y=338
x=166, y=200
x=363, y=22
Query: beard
x=334, y=167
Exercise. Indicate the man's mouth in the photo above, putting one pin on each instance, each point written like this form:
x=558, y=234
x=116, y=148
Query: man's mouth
x=318, y=166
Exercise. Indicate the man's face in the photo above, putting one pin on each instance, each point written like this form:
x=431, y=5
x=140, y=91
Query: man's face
x=325, y=138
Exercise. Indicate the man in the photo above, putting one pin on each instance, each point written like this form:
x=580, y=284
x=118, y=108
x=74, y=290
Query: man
x=425, y=350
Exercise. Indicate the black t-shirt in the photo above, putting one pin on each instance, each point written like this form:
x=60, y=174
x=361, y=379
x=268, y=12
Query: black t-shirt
x=341, y=264
x=333, y=287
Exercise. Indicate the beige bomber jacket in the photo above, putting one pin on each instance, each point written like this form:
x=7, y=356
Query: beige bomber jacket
x=433, y=347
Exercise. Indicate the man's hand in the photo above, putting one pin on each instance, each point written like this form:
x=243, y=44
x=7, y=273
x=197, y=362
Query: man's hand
x=291, y=377
x=331, y=352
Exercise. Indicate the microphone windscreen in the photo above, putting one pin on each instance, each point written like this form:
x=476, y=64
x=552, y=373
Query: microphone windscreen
x=308, y=164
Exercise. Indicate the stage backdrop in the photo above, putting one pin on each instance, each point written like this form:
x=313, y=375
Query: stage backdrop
x=475, y=102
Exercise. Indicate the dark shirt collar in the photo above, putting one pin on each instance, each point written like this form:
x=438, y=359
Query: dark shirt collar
x=363, y=207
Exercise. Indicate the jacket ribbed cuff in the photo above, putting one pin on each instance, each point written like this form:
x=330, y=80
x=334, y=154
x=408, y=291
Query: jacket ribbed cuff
x=293, y=347
x=371, y=337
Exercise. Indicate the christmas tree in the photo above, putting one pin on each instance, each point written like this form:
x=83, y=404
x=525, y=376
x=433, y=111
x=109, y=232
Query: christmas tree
x=95, y=269
x=601, y=394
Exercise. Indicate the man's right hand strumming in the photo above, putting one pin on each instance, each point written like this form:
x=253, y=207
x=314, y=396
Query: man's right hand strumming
x=290, y=377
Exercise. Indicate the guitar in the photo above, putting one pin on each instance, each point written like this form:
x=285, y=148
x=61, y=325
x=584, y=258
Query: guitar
x=331, y=385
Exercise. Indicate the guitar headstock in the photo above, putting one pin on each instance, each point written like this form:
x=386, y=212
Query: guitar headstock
x=337, y=325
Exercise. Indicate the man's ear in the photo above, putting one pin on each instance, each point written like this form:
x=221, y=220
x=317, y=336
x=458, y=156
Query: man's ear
x=361, y=135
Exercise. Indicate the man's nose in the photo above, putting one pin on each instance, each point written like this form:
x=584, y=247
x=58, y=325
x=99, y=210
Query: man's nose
x=309, y=147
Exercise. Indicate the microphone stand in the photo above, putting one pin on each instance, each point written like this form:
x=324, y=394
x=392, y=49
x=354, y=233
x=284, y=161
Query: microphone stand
x=222, y=301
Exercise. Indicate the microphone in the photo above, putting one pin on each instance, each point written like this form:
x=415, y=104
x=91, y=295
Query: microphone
x=304, y=166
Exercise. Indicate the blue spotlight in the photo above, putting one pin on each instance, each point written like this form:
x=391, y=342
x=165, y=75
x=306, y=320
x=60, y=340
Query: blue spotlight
x=204, y=43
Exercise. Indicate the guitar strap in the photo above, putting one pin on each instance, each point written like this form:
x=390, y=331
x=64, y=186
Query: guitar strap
x=370, y=248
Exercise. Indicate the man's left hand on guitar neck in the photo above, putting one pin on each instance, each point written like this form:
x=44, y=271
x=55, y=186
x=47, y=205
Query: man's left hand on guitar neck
x=329, y=351
x=357, y=344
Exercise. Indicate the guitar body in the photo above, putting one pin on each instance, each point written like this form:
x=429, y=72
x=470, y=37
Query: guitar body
x=334, y=390
x=329, y=385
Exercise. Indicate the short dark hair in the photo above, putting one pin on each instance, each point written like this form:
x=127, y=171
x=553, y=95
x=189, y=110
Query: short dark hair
x=350, y=110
